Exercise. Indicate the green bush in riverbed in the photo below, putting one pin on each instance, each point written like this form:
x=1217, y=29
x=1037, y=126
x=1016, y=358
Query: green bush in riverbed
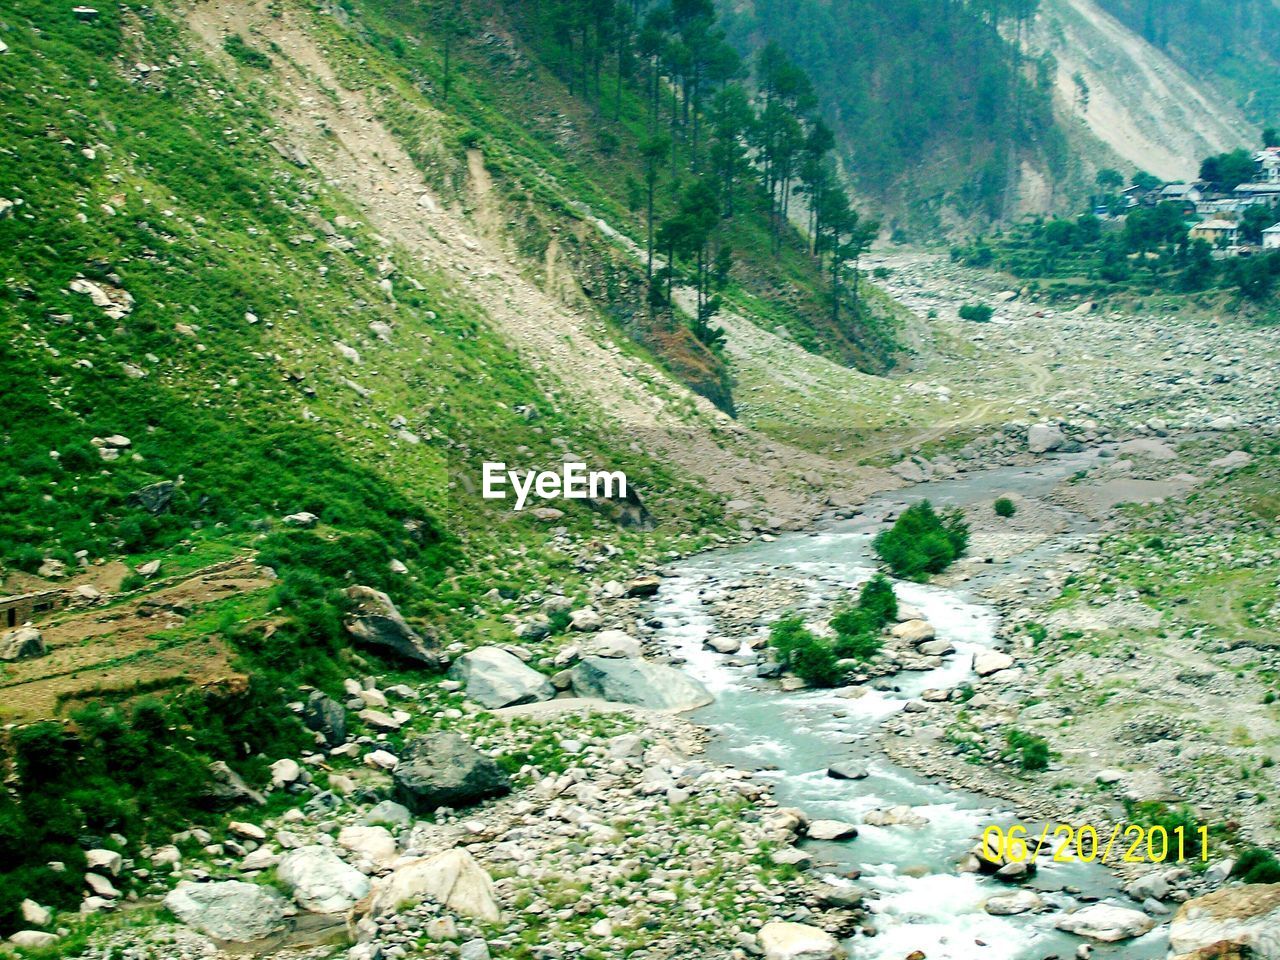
x=922, y=541
x=1005, y=507
x=858, y=627
x=809, y=657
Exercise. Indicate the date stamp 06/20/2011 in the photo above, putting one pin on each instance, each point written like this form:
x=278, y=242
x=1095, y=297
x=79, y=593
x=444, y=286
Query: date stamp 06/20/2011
x=1120, y=842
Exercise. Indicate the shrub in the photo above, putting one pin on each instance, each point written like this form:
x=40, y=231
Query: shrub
x=922, y=541
x=1005, y=507
x=1031, y=751
x=809, y=657
x=976, y=312
x=858, y=627
x=241, y=52
x=1257, y=865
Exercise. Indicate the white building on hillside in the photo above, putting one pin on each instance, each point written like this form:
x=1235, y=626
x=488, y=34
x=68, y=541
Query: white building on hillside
x=1271, y=238
x=1268, y=162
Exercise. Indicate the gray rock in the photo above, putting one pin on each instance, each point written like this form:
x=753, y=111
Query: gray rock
x=226, y=788
x=230, y=909
x=496, y=678
x=847, y=770
x=375, y=622
x=25, y=643
x=1043, y=438
x=831, y=830
x=327, y=717
x=610, y=643
x=388, y=813
x=1101, y=921
x=156, y=498
x=443, y=770
x=638, y=682
x=320, y=881
x=33, y=939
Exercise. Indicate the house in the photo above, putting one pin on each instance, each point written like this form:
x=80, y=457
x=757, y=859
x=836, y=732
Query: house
x=20, y=608
x=1188, y=192
x=1268, y=162
x=1259, y=193
x=1271, y=238
x=1222, y=234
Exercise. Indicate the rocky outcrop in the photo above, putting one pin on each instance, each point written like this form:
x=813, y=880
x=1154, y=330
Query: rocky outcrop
x=229, y=910
x=638, y=682
x=326, y=717
x=496, y=678
x=155, y=498
x=798, y=941
x=443, y=770
x=375, y=622
x=321, y=882
x=1101, y=921
x=1244, y=916
x=226, y=788
x=25, y=643
x=452, y=878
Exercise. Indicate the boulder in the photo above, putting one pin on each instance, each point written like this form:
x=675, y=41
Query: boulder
x=610, y=643
x=899, y=816
x=388, y=813
x=1043, y=438
x=25, y=643
x=452, y=878
x=988, y=662
x=1240, y=916
x=496, y=678
x=936, y=648
x=229, y=909
x=443, y=770
x=33, y=939
x=35, y=914
x=374, y=844
x=831, y=830
x=320, y=881
x=798, y=941
x=327, y=717
x=226, y=788
x=375, y=622
x=638, y=682
x=1012, y=904
x=155, y=498
x=104, y=861
x=847, y=770
x=914, y=631
x=585, y=619
x=1102, y=921
x=1153, y=886
x=644, y=586
x=724, y=645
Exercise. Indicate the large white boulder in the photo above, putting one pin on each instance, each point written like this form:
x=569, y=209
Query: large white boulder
x=1102, y=921
x=798, y=941
x=988, y=662
x=320, y=881
x=1247, y=915
x=1042, y=438
x=229, y=909
x=374, y=844
x=496, y=678
x=452, y=878
x=638, y=682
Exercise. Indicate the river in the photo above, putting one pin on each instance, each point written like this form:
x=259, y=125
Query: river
x=922, y=902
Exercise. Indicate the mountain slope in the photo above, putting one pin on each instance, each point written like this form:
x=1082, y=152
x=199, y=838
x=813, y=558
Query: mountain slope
x=1140, y=103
